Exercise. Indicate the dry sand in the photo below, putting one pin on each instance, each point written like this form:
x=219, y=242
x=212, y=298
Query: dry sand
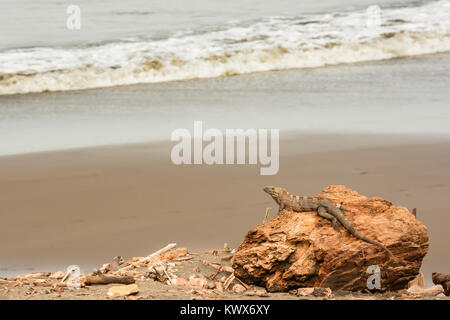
x=86, y=206
x=43, y=287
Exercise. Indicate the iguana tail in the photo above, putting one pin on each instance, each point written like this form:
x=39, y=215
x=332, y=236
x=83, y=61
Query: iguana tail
x=336, y=212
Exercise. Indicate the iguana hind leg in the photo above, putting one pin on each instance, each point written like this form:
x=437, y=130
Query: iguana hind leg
x=324, y=214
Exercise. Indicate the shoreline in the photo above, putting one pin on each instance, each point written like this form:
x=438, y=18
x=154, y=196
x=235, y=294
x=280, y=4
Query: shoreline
x=85, y=206
x=187, y=276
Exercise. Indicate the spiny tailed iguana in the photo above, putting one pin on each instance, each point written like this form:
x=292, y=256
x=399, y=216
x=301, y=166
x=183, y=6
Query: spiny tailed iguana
x=324, y=207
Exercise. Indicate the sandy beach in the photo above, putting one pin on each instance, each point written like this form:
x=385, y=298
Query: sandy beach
x=86, y=206
x=353, y=97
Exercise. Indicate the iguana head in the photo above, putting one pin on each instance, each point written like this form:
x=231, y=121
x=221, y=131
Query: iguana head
x=275, y=192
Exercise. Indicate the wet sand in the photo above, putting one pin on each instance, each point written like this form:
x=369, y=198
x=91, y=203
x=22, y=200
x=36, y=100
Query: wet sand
x=85, y=206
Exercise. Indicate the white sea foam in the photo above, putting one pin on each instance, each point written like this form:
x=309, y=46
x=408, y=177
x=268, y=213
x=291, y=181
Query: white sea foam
x=273, y=43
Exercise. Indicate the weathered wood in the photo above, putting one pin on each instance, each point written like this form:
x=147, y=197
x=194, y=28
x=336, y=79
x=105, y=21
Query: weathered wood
x=443, y=280
x=227, y=258
x=151, y=256
x=433, y=291
x=218, y=266
x=103, y=279
x=418, y=281
x=228, y=281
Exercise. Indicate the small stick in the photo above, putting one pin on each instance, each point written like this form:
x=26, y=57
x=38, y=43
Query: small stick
x=414, y=212
x=216, y=251
x=218, y=266
x=183, y=258
x=245, y=285
x=267, y=214
x=65, y=277
x=228, y=281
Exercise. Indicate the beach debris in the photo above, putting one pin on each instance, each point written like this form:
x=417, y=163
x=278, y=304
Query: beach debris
x=218, y=267
x=162, y=271
x=57, y=275
x=122, y=291
x=414, y=212
x=256, y=291
x=227, y=257
x=418, y=281
x=303, y=292
x=238, y=288
x=219, y=287
x=181, y=259
x=59, y=285
x=113, y=266
x=312, y=291
x=442, y=279
x=4, y=281
x=104, y=279
x=200, y=281
x=432, y=291
x=181, y=282
x=29, y=276
x=40, y=282
x=174, y=254
x=215, y=252
x=228, y=281
x=293, y=249
x=149, y=258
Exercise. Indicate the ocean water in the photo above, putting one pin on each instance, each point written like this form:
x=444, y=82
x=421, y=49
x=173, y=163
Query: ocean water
x=353, y=66
x=122, y=43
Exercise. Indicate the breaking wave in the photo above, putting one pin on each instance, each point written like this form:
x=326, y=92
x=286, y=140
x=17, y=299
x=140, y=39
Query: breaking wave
x=274, y=43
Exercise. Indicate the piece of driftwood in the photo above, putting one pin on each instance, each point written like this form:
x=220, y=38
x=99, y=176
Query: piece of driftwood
x=183, y=258
x=228, y=281
x=443, y=280
x=218, y=267
x=4, y=281
x=243, y=284
x=114, y=265
x=103, y=279
x=418, y=281
x=433, y=291
x=215, y=252
x=151, y=256
x=38, y=275
x=227, y=258
x=267, y=214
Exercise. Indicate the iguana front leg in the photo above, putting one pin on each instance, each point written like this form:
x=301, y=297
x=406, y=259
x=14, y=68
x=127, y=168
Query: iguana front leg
x=322, y=211
x=282, y=205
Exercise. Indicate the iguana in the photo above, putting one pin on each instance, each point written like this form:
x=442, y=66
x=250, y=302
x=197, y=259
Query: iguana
x=324, y=207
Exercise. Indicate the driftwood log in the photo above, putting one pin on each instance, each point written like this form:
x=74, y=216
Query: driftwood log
x=102, y=279
x=443, y=280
